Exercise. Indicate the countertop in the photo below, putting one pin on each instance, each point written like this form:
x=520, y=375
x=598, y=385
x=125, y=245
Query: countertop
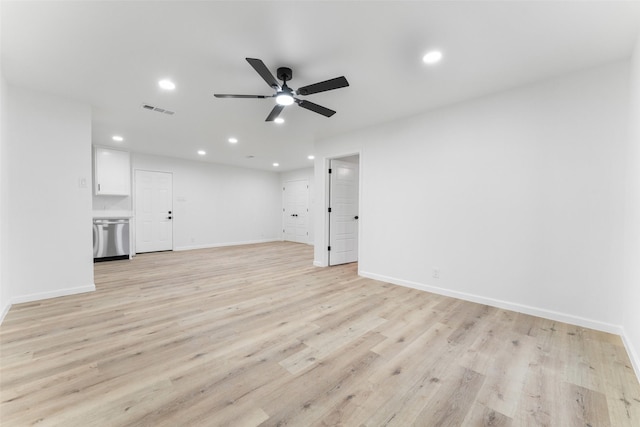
x=112, y=214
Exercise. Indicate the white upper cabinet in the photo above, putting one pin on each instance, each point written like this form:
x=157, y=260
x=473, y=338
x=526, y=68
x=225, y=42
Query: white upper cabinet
x=112, y=172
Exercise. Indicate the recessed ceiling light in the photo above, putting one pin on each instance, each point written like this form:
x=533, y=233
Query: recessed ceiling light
x=276, y=165
x=311, y=157
x=432, y=57
x=278, y=120
x=202, y=152
x=117, y=138
x=233, y=140
x=167, y=84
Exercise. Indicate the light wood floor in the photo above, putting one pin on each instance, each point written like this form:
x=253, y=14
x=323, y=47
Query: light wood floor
x=255, y=335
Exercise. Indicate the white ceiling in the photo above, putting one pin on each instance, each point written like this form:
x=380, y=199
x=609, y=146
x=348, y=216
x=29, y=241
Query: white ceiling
x=111, y=55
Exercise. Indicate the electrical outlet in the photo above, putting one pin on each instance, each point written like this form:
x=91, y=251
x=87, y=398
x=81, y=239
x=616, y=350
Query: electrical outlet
x=436, y=273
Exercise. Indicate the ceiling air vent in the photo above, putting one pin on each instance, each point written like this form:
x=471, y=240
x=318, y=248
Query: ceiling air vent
x=157, y=109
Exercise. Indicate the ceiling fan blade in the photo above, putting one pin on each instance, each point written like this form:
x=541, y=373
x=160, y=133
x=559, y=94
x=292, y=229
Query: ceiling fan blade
x=315, y=108
x=336, y=83
x=274, y=113
x=224, y=95
x=264, y=72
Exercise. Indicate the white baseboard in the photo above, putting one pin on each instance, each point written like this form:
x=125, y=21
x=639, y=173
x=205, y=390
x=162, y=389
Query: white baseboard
x=5, y=310
x=318, y=264
x=520, y=308
x=45, y=295
x=221, y=245
x=52, y=294
x=633, y=354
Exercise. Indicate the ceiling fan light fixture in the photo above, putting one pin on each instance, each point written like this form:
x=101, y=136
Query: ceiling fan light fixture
x=284, y=98
x=279, y=120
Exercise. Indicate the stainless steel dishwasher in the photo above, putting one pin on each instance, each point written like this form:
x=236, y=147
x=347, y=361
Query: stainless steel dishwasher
x=110, y=239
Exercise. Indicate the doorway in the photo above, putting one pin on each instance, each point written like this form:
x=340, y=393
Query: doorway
x=343, y=210
x=153, y=211
x=295, y=211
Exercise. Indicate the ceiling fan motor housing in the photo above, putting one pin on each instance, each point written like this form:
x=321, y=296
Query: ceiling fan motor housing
x=284, y=73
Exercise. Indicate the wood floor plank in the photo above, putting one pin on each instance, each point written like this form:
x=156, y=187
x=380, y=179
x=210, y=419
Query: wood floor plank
x=256, y=335
x=480, y=355
x=583, y=407
x=505, y=378
x=481, y=416
x=323, y=385
x=406, y=381
x=454, y=400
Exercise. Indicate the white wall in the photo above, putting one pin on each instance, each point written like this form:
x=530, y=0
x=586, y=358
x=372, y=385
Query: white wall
x=306, y=174
x=631, y=286
x=47, y=217
x=516, y=198
x=4, y=303
x=218, y=205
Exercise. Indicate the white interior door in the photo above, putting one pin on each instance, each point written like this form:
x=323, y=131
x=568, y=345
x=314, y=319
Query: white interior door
x=343, y=215
x=295, y=211
x=153, y=211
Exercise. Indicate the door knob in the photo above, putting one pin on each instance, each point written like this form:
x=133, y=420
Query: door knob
x=355, y=217
x=169, y=217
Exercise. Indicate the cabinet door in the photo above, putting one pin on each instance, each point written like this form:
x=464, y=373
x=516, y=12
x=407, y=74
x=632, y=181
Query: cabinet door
x=112, y=172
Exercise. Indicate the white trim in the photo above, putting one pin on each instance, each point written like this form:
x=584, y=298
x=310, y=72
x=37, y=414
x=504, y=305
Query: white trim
x=634, y=357
x=520, y=308
x=45, y=295
x=317, y=263
x=327, y=201
x=631, y=352
x=4, y=312
x=221, y=245
x=309, y=225
x=52, y=294
x=133, y=237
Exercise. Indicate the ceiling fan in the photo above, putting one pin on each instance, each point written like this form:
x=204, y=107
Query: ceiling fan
x=285, y=95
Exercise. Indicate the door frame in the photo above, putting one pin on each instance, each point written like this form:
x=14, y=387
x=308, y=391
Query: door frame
x=132, y=223
x=284, y=183
x=321, y=257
